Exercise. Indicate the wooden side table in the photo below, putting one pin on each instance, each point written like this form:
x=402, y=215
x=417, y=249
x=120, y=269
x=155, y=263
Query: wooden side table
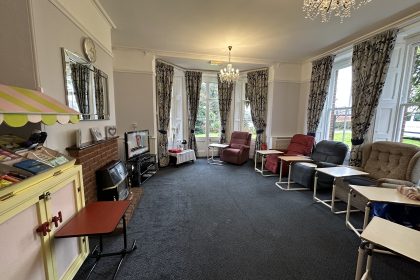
x=393, y=237
x=98, y=219
x=336, y=172
x=291, y=160
x=375, y=194
x=264, y=154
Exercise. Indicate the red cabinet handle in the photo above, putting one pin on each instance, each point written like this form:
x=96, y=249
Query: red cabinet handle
x=44, y=228
x=56, y=219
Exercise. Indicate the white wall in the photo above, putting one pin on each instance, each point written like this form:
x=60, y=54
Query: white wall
x=135, y=101
x=285, y=99
x=53, y=30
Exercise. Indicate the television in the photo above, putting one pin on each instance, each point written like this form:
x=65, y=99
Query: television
x=136, y=143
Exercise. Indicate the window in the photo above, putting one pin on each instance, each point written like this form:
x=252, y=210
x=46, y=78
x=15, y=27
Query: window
x=208, y=117
x=247, y=124
x=336, y=121
x=410, y=128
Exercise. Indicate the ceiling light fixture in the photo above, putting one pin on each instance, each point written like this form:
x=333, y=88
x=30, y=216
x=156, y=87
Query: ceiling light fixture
x=327, y=8
x=229, y=74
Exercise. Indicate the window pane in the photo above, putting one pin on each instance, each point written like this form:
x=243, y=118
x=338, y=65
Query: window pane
x=414, y=95
x=200, y=124
x=341, y=126
x=213, y=91
x=214, y=118
x=247, y=124
x=411, y=126
x=343, y=88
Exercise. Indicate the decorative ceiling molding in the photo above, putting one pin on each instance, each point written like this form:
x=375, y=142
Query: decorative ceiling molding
x=103, y=12
x=81, y=26
x=199, y=56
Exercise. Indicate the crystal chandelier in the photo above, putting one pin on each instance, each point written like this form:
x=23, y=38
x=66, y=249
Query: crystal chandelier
x=229, y=74
x=326, y=8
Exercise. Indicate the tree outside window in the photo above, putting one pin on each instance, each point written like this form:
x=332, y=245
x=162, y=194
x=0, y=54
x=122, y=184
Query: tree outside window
x=208, y=117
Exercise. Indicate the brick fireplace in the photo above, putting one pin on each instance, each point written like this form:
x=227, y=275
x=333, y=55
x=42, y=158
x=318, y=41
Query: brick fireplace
x=94, y=155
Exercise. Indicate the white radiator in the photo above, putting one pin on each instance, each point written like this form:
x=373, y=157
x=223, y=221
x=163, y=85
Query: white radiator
x=280, y=142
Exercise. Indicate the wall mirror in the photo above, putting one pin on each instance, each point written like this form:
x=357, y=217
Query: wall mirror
x=86, y=87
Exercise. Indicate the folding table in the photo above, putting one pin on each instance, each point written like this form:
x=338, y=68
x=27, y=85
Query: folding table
x=291, y=160
x=264, y=154
x=98, y=219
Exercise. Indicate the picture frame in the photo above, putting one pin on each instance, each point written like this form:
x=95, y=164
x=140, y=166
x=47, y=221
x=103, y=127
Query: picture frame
x=110, y=131
x=96, y=134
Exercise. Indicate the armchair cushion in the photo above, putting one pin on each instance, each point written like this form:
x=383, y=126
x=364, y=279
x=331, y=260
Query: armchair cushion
x=300, y=144
x=326, y=154
x=238, y=150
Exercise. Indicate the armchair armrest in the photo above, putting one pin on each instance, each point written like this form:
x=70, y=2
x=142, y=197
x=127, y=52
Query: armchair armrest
x=323, y=164
x=244, y=148
x=393, y=183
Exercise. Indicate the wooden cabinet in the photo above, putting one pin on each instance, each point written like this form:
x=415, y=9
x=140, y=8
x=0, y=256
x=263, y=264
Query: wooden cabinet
x=28, y=254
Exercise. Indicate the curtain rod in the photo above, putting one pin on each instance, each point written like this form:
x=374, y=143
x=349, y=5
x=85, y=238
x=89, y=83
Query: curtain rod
x=400, y=23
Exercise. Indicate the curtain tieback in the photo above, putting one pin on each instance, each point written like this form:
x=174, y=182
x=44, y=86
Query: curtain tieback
x=357, y=141
x=192, y=131
x=223, y=131
x=311, y=134
x=162, y=131
x=260, y=131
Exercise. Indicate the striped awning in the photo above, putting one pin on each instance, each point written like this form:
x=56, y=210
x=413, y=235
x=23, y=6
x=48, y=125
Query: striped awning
x=20, y=105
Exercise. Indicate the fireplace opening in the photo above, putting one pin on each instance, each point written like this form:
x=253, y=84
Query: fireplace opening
x=111, y=181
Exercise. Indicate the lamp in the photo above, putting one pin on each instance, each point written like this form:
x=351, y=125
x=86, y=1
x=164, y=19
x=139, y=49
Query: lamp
x=339, y=8
x=229, y=74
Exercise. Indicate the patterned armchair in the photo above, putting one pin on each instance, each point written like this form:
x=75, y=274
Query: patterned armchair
x=238, y=150
x=300, y=144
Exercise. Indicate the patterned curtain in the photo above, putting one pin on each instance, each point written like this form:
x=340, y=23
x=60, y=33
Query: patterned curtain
x=80, y=77
x=320, y=80
x=225, y=90
x=100, y=83
x=193, y=86
x=256, y=93
x=370, y=65
x=164, y=79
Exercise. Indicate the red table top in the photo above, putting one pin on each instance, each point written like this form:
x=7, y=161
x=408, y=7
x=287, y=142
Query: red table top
x=96, y=218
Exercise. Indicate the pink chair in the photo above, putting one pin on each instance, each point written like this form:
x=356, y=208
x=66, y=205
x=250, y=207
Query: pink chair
x=300, y=144
x=238, y=150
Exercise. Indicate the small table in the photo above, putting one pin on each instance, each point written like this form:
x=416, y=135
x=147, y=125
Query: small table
x=212, y=146
x=336, y=172
x=291, y=160
x=391, y=236
x=99, y=218
x=264, y=154
x=375, y=194
x=184, y=156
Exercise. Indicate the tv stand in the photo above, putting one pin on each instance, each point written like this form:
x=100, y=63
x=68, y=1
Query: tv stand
x=142, y=168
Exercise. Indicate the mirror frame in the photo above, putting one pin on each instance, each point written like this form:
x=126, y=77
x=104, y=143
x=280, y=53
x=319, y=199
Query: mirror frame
x=71, y=57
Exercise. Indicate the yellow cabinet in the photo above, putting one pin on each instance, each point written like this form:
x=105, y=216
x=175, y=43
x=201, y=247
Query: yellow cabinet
x=28, y=254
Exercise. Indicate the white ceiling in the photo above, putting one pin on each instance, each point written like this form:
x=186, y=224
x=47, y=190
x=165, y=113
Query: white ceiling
x=191, y=32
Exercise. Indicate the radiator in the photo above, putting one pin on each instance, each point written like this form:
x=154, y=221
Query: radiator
x=280, y=142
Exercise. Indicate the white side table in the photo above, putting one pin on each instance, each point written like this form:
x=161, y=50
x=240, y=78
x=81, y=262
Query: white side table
x=393, y=237
x=336, y=172
x=212, y=147
x=184, y=156
x=264, y=154
x=375, y=194
x=291, y=160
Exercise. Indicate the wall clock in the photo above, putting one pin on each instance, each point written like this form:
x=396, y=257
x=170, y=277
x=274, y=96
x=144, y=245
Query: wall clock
x=89, y=49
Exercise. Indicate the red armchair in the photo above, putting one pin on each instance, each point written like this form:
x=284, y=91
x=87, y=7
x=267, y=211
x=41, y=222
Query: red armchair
x=238, y=150
x=300, y=144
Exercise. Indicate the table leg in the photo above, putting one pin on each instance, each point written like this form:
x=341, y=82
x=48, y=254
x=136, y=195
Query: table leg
x=348, y=223
x=367, y=212
x=288, y=176
x=360, y=260
x=262, y=164
x=315, y=185
x=255, y=161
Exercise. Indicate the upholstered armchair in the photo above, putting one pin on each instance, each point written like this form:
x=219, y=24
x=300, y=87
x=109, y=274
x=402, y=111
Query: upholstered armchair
x=238, y=150
x=300, y=144
x=389, y=165
x=326, y=154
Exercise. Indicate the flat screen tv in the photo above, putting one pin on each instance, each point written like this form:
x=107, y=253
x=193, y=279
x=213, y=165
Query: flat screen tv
x=136, y=143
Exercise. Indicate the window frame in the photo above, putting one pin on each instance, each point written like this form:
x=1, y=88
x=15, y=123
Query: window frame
x=344, y=60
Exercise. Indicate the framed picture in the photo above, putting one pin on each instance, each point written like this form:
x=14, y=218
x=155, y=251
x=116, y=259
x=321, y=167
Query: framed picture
x=110, y=131
x=96, y=134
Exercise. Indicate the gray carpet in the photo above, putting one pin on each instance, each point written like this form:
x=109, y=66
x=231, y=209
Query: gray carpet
x=202, y=221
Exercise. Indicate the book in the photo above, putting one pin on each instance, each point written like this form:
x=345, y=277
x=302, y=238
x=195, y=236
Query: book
x=32, y=166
